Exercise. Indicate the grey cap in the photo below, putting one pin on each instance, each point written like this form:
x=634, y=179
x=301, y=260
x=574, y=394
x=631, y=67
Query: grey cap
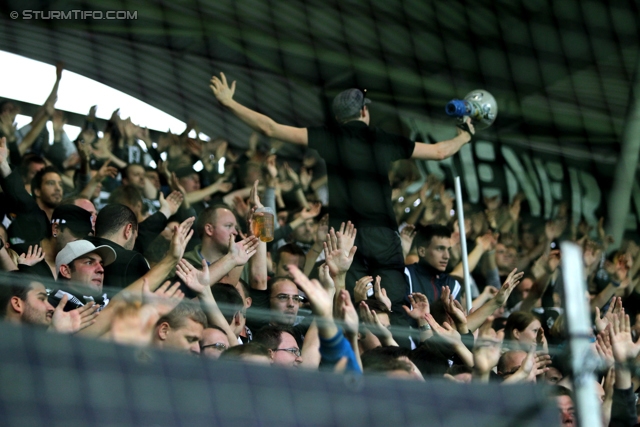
x=348, y=103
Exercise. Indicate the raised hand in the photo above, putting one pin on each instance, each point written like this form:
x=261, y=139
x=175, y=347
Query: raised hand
x=407, y=235
x=419, y=307
x=164, y=142
x=528, y=364
x=621, y=267
x=615, y=307
x=84, y=149
x=181, y=235
x=71, y=161
x=174, y=182
x=254, y=198
x=621, y=341
x=603, y=347
x=222, y=186
x=321, y=301
x=311, y=212
x=454, y=309
x=446, y=331
x=338, y=258
x=102, y=148
x=244, y=249
x=33, y=256
x=487, y=241
x=221, y=149
x=489, y=292
x=293, y=176
x=170, y=205
x=380, y=293
x=514, y=209
x=272, y=171
x=221, y=89
x=486, y=352
x=346, y=236
x=511, y=282
x=604, y=238
x=106, y=170
x=143, y=135
x=532, y=366
x=347, y=313
x=131, y=130
x=553, y=229
x=591, y=255
x=362, y=288
x=7, y=125
x=491, y=216
x=164, y=299
x=194, y=147
x=70, y=322
x=194, y=279
x=322, y=230
x=326, y=280
x=370, y=318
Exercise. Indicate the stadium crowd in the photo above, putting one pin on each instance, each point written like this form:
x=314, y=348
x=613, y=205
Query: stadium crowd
x=99, y=243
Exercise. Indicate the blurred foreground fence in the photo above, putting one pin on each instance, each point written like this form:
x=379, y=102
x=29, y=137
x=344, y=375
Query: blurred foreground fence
x=58, y=380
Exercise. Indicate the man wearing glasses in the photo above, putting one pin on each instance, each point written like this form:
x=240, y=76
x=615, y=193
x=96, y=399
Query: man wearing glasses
x=214, y=341
x=283, y=347
x=284, y=303
x=358, y=159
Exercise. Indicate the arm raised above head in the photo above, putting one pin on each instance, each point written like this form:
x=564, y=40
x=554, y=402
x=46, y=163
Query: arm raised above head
x=257, y=121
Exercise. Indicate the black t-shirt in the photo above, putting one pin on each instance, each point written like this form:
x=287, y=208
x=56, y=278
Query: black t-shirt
x=358, y=158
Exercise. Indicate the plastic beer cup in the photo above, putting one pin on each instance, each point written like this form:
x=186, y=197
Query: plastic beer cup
x=263, y=219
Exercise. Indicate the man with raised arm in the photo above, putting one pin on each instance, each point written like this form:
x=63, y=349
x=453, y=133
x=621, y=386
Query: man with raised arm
x=358, y=159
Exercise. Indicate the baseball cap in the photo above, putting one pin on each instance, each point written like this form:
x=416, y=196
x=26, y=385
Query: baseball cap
x=73, y=250
x=28, y=229
x=348, y=103
x=77, y=219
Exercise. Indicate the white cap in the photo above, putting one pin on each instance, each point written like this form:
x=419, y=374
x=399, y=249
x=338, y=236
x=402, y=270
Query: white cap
x=74, y=250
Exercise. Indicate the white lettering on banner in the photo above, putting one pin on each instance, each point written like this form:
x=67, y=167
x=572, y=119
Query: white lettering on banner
x=524, y=180
x=493, y=168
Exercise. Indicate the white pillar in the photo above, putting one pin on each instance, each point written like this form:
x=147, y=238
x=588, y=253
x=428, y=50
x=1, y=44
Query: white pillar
x=576, y=310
